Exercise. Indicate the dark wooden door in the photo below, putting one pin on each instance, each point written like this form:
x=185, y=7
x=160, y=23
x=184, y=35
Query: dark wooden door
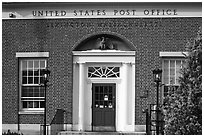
x=103, y=107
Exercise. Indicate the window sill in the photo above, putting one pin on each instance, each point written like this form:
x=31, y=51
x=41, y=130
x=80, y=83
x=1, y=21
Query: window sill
x=31, y=112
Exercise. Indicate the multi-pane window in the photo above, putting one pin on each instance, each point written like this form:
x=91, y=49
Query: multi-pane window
x=171, y=74
x=32, y=90
x=171, y=71
x=103, y=72
x=104, y=97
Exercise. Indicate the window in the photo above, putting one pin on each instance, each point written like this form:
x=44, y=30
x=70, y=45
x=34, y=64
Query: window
x=32, y=92
x=103, y=72
x=171, y=74
x=171, y=71
x=104, y=97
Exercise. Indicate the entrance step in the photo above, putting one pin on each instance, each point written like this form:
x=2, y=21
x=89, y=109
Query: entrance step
x=99, y=133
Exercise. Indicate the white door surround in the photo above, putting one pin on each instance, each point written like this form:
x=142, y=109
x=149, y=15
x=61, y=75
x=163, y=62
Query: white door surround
x=125, y=87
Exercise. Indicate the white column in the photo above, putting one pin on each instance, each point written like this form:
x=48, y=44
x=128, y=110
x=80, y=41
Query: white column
x=81, y=96
x=87, y=108
x=122, y=98
x=75, y=105
x=132, y=103
x=125, y=92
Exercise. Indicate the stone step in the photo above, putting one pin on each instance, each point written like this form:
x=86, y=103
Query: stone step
x=99, y=133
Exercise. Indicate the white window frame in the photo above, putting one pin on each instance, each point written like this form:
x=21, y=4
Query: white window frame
x=22, y=56
x=175, y=78
x=29, y=85
x=170, y=56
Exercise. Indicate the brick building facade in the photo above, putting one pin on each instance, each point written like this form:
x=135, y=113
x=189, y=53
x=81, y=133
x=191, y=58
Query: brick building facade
x=57, y=38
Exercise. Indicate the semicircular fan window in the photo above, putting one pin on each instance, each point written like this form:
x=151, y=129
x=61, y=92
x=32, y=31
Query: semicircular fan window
x=104, y=72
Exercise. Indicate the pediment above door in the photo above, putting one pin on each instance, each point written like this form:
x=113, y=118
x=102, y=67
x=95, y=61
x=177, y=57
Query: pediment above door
x=103, y=42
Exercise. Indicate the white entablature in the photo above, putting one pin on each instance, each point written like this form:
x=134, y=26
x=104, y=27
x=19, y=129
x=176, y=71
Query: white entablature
x=104, y=56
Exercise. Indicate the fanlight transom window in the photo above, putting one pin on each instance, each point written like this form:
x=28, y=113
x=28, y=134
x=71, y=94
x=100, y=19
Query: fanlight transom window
x=103, y=72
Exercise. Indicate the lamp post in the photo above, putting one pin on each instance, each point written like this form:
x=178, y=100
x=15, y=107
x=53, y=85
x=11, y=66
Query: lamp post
x=45, y=73
x=157, y=73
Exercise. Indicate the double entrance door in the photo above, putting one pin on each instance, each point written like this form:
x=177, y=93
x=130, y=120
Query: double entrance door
x=103, y=106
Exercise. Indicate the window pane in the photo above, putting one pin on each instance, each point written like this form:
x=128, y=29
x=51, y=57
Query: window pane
x=42, y=92
x=105, y=89
x=172, y=72
x=25, y=104
x=30, y=80
x=36, y=72
x=30, y=64
x=42, y=104
x=36, y=92
x=101, y=90
x=30, y=92
x=24, y=65
x=24, y=92
x=24, y=73
x=118, y=74
x=30, y=72
x=30, y=104
x=110, y=97
x=42, y=64
x=96, y=89
x=41, y=80
x=96, y=104
x=24, y=81
x=36, y=80
x=106, y=104
x=36, y=104
x=178, y=70
x=101, y=97
x=91, y=69
x=96, y=96
x=110, y=89
x=166, y=72
x=183, y=63
x=116, y=69
x=36, y=64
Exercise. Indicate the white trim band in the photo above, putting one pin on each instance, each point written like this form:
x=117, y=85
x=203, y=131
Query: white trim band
x=103, y=53
x=32, y=54
x=173, y=54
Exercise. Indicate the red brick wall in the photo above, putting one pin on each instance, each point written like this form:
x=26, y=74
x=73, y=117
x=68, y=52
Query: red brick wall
x=59, y=36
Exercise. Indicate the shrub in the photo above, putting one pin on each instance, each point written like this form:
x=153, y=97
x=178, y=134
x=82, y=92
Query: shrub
x=183, y=110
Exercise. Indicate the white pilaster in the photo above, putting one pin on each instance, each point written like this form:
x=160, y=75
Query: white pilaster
x=75, y=119
x=132, y=97
x=122, y=98
x=125, y=92
x=81, y=96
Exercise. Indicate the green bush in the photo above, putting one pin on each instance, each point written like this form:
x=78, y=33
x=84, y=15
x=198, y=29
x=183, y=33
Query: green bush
x=183, y=110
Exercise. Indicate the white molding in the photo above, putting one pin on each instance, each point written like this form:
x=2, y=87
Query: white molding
x=24, y=11
x=32, y=54
x=105, y=80
x=116, y=17
x=31, y=112
x=103, y=53
x=103, y=59
x=173, y=54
